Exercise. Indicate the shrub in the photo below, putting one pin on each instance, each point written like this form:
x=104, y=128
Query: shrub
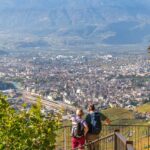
x=25, y=130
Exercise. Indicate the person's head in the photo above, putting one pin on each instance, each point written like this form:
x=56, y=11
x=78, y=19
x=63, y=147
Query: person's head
x=79, y=112
x=91, y=107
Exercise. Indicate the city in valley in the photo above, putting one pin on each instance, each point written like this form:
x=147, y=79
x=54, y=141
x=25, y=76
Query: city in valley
x=72, y=80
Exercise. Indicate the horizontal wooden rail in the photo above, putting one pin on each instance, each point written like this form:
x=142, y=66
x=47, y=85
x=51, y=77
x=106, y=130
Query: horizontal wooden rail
x=97, y=140
x=139, y=134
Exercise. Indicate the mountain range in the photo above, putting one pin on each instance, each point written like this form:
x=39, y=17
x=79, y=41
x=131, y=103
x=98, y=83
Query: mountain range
x=73, y=23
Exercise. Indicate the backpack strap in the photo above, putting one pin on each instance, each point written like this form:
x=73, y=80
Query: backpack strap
x=74, y=126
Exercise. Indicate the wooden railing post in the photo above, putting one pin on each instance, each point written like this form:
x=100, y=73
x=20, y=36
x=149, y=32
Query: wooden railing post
x=148, y=137
x=115, y=139
x=65, y=139
x=129, y=145
x=121, y=142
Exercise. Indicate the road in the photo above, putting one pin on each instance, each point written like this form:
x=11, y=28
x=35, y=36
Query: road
x=32, y=98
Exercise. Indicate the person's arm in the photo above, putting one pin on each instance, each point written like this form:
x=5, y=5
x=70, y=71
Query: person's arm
x=104, y=118
x=85, y=130
x=108, y=121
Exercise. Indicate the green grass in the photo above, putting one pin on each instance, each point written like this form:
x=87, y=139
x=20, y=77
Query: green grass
x=117, y=115
x=144, y=108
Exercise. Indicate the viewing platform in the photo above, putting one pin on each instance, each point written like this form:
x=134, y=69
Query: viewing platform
x=112, y=137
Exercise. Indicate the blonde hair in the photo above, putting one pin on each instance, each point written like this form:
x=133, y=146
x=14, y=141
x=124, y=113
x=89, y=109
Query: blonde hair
x=79, y=112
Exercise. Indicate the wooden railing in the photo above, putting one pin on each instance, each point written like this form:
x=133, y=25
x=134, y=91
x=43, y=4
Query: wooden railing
x=102, y=143
x=118, y=142
x=139, y=134
x=121, y=143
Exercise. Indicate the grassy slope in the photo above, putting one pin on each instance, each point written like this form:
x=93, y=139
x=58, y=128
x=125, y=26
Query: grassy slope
x=118, y=114
x=121, y=116
x=144, y=108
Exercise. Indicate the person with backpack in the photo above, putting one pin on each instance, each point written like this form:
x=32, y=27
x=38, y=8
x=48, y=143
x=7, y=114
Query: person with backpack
x=93, y=120
x=79, y=130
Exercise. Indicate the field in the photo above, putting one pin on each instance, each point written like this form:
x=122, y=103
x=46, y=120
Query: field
x=144, y=108
x=120, y=116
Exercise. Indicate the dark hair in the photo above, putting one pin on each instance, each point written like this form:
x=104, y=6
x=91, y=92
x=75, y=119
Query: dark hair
x=91, y=107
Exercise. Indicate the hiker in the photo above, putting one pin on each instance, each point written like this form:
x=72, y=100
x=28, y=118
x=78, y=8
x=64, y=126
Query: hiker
x=79, y=130
x=93, y=120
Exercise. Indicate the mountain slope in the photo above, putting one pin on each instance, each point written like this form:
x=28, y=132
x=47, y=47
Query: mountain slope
x=76, y=22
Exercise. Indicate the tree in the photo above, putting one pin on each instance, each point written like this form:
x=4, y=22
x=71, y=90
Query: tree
x=26, y=130
x=148, y=50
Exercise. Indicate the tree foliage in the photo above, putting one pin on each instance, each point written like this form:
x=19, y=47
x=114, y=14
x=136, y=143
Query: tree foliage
x=25, y=130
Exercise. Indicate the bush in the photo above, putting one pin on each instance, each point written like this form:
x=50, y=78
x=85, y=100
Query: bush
x=22, y=130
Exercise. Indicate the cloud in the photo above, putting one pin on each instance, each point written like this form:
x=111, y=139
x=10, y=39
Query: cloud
x=44, y=19
x=106, y=35
x=142, y=20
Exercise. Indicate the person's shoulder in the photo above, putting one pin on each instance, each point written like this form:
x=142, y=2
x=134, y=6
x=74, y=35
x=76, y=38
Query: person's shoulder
x=87, y=116
x=73, y=118
x=96, y=112
x=83, y=121
x=101, y=113
x=103, y=116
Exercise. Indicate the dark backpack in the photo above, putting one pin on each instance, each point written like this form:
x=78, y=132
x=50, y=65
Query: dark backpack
x=95, y=123
x=78, y=129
